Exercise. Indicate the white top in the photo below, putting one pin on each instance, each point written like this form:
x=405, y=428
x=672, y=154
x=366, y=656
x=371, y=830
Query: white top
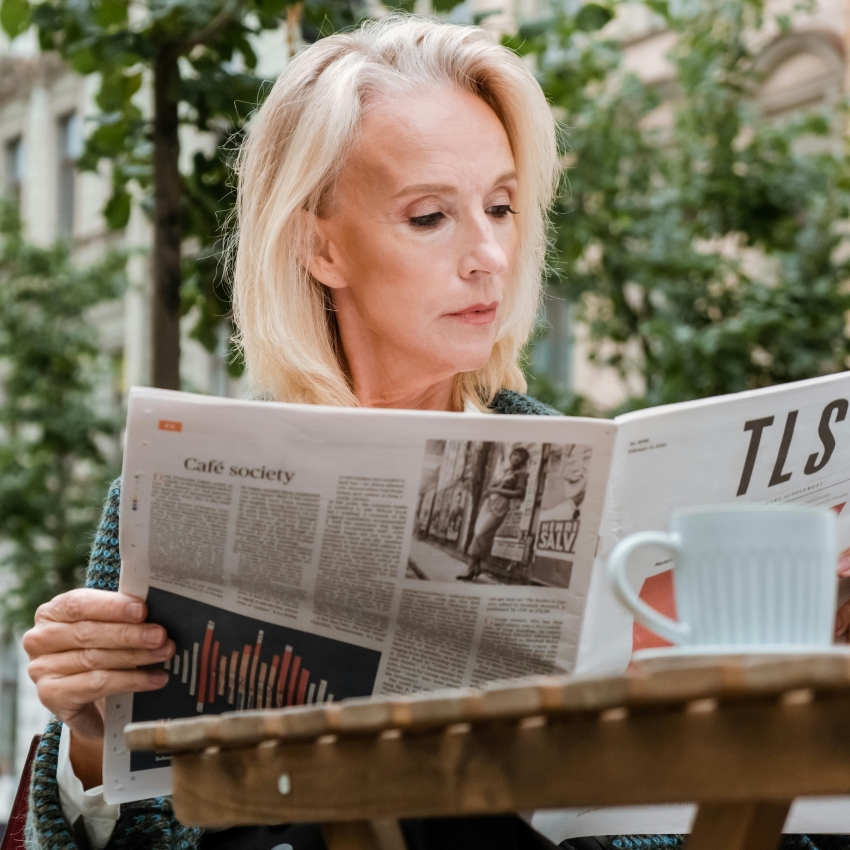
x=99, y=818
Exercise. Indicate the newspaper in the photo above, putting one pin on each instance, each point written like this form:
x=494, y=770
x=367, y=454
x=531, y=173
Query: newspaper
x=300, y=554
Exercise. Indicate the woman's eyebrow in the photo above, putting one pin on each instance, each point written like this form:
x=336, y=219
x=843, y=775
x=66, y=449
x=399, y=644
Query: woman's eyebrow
x=504, y=178
x=427, y=188
x=447, y=188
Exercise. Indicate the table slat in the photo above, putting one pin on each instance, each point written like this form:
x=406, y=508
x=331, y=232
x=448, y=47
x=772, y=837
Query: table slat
x=767, y=750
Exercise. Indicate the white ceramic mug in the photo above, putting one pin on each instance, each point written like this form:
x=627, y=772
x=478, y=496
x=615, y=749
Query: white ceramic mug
x=743, y=576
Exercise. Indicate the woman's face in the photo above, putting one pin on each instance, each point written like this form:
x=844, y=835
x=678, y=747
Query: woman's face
x=518, y=459
x=420, y=241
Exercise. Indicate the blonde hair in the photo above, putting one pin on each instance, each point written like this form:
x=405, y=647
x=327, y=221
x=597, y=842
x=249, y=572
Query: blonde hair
x=296, y=145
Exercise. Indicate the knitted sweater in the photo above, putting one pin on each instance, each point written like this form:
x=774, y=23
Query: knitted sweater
x=150, y=824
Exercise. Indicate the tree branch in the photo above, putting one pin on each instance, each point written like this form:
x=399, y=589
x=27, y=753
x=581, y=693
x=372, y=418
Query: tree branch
x=210, y=31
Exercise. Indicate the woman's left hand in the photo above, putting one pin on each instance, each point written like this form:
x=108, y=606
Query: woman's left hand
x=842, y=617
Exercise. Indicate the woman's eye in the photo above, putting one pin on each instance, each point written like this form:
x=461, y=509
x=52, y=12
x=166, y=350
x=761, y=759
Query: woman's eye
x=426, y=220
x=501, y=210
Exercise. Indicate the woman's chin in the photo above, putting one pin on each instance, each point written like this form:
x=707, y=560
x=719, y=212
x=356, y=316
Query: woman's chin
x=467, y=362
x=464, y=353
x=452, y=353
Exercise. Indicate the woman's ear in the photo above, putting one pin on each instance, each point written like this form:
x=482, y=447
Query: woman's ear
x=323, y=259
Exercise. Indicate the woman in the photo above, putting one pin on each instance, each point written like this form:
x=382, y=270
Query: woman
x=391, y=218
x=497, y=502
x=391, y=233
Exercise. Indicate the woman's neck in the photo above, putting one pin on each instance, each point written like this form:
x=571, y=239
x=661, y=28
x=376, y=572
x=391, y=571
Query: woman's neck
x=423, y=395
x=384, y=377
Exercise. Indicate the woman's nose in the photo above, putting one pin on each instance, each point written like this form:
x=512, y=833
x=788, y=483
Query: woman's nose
x=483, y=252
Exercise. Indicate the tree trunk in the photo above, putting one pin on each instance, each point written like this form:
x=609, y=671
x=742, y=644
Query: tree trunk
x=167, y=191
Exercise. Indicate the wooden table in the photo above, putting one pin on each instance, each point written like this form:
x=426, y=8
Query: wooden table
x=742, y=737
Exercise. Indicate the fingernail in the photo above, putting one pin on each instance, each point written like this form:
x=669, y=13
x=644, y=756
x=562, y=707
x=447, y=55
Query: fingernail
x=152, y=636
x=135, y=610
x=165, y=650
x=159, y=678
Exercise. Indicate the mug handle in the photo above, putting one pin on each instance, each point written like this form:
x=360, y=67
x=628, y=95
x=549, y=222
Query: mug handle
x=617, y=565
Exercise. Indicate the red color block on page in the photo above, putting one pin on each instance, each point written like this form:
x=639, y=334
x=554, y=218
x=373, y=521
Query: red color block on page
x=302, y=686
x=657, y=592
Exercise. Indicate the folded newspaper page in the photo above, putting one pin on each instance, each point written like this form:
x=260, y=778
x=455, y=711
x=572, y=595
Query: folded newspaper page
x=780, y=445
x=299, y=554
x=785, y=444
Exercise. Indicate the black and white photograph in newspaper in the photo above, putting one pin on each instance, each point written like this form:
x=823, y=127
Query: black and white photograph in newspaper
x=498, y=513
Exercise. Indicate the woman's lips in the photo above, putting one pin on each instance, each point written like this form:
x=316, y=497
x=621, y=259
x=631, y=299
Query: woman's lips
x=477, y=314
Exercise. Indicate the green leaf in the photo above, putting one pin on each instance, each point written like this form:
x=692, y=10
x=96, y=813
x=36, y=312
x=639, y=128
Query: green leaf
x=592, y=17
x=83, y=59
x=117, y=90
x=445, y=5
x=117, y=209
x=110, y=13
x=15, y=16
x=272, y=7
x=110, y=137
x=529, y=30
x=660, y=7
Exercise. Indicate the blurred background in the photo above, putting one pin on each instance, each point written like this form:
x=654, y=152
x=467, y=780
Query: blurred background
x=700, y=243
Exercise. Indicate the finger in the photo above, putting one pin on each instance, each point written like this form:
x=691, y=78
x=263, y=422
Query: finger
x=60, y=637
x=89, y=604
x=67, y=696
x=844, y=564
x=80, y=660
x=842, y=619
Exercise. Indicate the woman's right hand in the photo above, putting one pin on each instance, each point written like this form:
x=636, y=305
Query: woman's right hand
x=86, y=645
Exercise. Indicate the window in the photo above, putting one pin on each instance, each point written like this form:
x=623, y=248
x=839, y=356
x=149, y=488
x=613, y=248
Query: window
x=804, y=70
x=69, y=150
x=14, y=167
